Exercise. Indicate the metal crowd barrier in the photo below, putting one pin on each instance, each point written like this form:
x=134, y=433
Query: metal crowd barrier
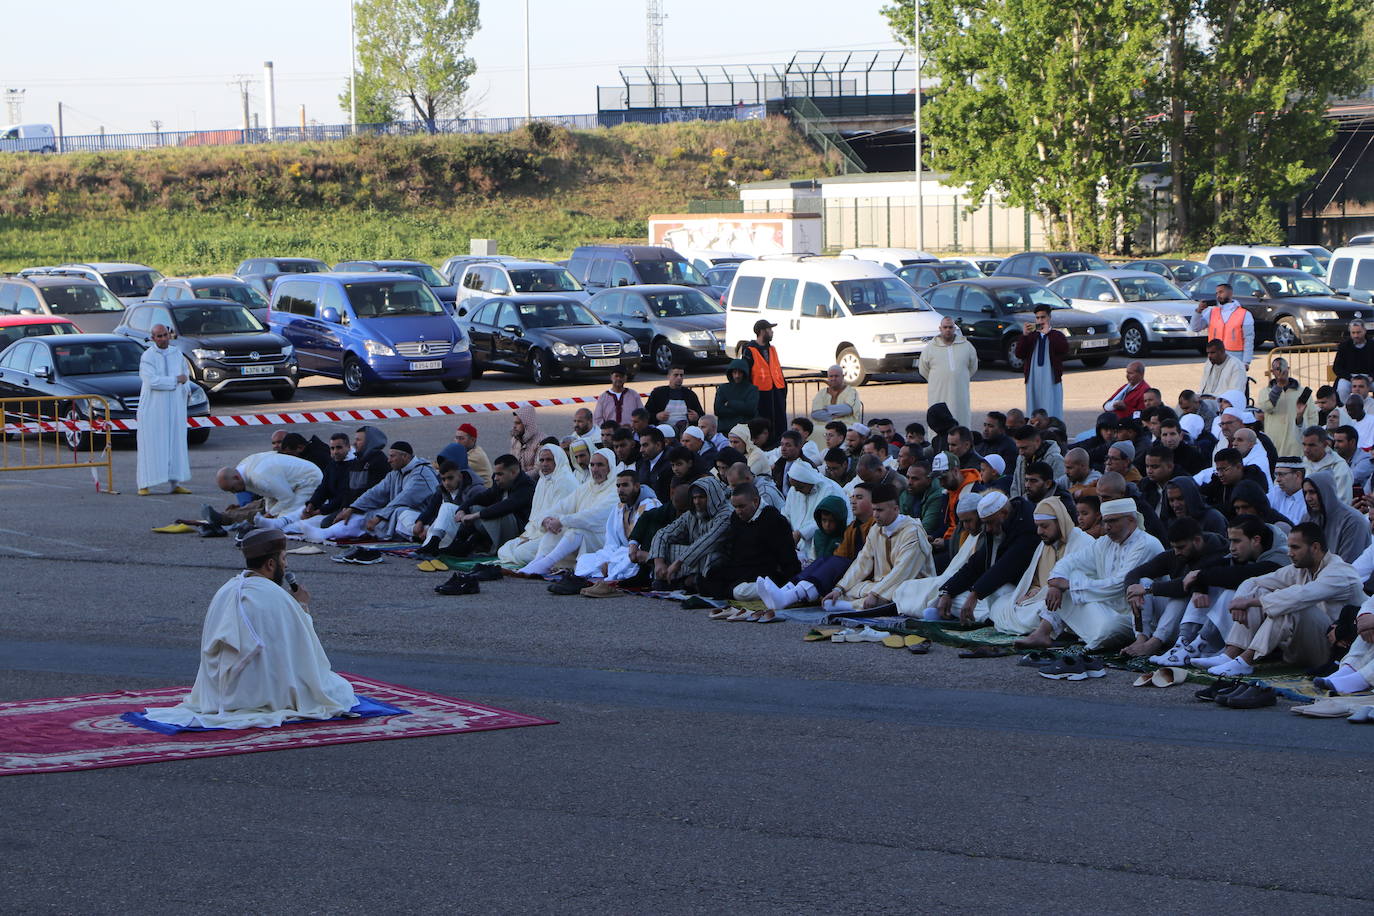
x=801, y=389
x=45, y=433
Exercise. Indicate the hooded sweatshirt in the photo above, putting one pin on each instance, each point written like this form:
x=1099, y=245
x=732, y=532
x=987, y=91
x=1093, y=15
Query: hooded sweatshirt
x=698, y=532
x=1229, y=574
x=1210, y=519
x=823, y=544
x=586, y=508
x=1347, y=530
x=737, y=400
x=408, y=488
x=527, y=446
x=366, y=469
x=755, y=457
x=800, y=508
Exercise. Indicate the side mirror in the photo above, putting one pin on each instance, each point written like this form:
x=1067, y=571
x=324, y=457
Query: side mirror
x=988, y=310
x=514, y=329
x=462, y=313
x=622, y=282
x=43, y=372
x=1105, y=297
x=330, y=314
x=1045, y=272
x=499, y=291
x=27, y=312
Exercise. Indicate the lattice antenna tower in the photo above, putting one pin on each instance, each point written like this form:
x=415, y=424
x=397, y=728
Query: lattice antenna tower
x=14, y=103
x=654, y=16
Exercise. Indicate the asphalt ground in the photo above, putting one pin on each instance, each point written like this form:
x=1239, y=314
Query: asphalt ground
x=697, y=767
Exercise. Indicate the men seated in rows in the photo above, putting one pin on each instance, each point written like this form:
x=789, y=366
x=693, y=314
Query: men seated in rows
x=835, y=545
x=393, y=506
x=1079, y=475
x=807, y=487
x=895, y=550
x=917, y=597
x=1345, y=441
x=754, y=548
x=688, y=548
x=1345, y=530
x=577, y=525
x=1183, y=499
x=553, y=483
x=1005, y=544
x=738, y=473
x=283, y=484
x=491, y=517
x=1017, y=610
x=1317, y=456
x=1290, y=609
x=1155, y=591
x=924, y=498
x=612, y=561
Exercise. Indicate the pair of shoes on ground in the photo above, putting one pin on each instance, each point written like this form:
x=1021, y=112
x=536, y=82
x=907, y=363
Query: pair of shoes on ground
x=860, y=634
x=459, y=584
x=1073, y=668
x=360, y=556
x=744, y=615
x=1237, y=694
x=569, y=585
x=175, y=491
x=1353, y=709
x=1223, y=665
x=1162, y=677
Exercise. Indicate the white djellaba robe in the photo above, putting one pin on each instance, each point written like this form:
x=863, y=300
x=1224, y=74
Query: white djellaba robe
x=915, y=595
x=582, y=513
x=612, y=561
x=162, y=455
x=261, y=663
x=284, y=482
x=948, y=369
x=549, y=491
x=1095, y=606
x=1019, y=613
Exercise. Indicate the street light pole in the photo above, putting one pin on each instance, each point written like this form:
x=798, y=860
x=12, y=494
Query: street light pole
x=352, y=71
x=527, y=61
x=920, y=189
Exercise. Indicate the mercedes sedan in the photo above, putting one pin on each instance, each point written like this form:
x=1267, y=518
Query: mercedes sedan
x=545, y=337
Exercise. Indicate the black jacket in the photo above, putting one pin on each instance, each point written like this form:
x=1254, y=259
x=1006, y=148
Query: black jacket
x=495, y=502
x=1219, y=497
x=659, y=478
x=762, y=547
x=1167, y=569
x=990, y=568
x=333, y=493
x=660, y=396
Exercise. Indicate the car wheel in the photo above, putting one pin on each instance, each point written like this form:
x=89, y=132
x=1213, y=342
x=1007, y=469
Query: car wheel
x=355, y=383
x=457, y=384
x=852, y=366
x=1286, y=333
x=663, y=356
x=1095, y=362
x=284, y=393
x=197, y=436
x=541, y=373
x=1009, y=355
x=1135, y=343
x=77, y=440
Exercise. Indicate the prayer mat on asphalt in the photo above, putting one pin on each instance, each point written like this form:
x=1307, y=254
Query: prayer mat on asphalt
x=86, y=732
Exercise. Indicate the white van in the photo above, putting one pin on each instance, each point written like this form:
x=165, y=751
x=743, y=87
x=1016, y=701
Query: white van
x=891, y=258
x=28, y=138
x=1222, y=257
x=828, y=311
x=1352, y=272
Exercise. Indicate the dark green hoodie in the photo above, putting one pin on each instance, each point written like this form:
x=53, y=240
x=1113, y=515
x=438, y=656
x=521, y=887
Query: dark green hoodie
x=737, y=400
x=824, y=543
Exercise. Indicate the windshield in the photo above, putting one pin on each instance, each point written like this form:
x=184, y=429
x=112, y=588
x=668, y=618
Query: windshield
x=388, y=300
x=1148, y=289
x=1284, y=286
x=132, y=282
x=301, y=267
x=544, y=280
x=1299, y=262
x=957, y=272
x=554, y=315
x=874, y=295
x=243, y=295
x=1190, y=271
x=81, y=299
x=669, y=272
x=1026, y=298
x=206, y=320
x=419, y=272
x=680, y=305
x=97, y=357
x=10, y=333
x=1073, y=263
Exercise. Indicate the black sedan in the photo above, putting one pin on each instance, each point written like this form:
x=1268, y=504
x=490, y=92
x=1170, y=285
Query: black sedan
x=72, y=366
x=225, y=346
x=991, y=312
x=922, y=277
x=546, y=337
x=1290, y=307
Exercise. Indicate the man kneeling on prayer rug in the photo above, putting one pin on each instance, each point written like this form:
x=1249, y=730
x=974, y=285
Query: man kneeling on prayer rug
x=895, y=550
x=261, y=663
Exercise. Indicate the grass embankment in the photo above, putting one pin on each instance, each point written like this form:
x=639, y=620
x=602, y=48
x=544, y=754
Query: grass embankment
x=539, y=192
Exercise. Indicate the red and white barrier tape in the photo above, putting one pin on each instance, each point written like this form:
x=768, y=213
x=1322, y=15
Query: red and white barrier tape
x=314, y=416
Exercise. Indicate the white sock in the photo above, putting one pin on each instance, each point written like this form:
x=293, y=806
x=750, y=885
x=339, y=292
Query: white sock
x=931, y=613
x=768, y=592
x=1210, y=661
x=805, y=591
x=1234, y=667
x=1348, y=680
x=839, y=604
x=539, y=566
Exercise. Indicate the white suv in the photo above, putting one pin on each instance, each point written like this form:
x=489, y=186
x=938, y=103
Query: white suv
x=1223, y=257
x=483, y=280
x=130, y=282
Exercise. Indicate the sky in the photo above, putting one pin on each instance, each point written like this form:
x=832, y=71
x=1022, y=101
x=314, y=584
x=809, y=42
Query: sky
x=122, y=64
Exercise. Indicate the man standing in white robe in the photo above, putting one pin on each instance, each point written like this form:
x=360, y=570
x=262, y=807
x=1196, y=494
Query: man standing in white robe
x=162, y=456
x=1087, y=588
x=948, y=364
x=261, y=663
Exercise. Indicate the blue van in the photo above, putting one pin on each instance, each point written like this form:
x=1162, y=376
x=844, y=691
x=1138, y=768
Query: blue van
x=369, y=329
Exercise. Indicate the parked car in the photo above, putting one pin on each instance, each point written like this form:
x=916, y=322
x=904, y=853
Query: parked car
x=985, y=263
x=721, y=277
x=262, y=273
x=226, y=347
x=481, y=280
x=1290, y=307
x=17, y=327
x=891, y=258
x=1352, y=272
x=234, y=289
x=991, y=312
x=1046, y=265
x=829, y=311
x=452, y=268
x=93, y=306
x=28, y=138
x=370, y=329
x=704, y=259
x=1320, y=252
x=1150, y=311
x=1178, y=270
x=1364, y=238
x=72, y=365
x=130, y=282
x=441, y=287
x=922, y=277
x=672, y=324
x=603, y=266
x=1220, y=257
x=546, y=337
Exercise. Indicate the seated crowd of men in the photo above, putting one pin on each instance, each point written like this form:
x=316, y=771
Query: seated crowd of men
x=1189, y=534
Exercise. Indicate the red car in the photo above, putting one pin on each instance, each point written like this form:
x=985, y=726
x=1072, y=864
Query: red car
x=17, y=327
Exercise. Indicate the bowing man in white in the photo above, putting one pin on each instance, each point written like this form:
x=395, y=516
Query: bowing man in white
x=161, y=415
x=261, y=663
x=612, y=562
x=284, y=482
x=1087, y=588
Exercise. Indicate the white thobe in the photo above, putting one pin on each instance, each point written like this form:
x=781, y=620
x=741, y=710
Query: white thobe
x=1019, y=610
x=1293, y=508
x=1095, y=606
x=284, y=482
x=948, y=369
x=612, y=561
x=1217, y=380
x=915, y=595
x=162, y=455
x=261, y=663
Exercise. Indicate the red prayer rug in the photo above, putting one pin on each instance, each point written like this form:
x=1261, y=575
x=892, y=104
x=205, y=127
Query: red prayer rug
x=86, y=733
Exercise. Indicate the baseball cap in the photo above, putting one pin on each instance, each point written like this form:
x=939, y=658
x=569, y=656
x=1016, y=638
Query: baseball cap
x=763, y=323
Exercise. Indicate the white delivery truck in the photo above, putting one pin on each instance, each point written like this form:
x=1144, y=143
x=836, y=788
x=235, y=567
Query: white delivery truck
x=28, y=138
x=830, y=311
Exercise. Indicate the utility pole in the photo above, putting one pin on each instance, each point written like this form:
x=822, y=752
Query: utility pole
x=352, y=69
x=920, y=182
x=157, y=129
x=654, y=17
x=527, y=61
x=243, y=81
x=60, y=134
x=14, y=102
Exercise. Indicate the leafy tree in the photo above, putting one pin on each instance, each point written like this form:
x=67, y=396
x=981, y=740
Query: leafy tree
x=415, y=49
x=376, y=100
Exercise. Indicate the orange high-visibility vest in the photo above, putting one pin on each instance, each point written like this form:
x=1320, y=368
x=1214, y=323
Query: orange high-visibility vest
x=765, y=369
x=1230, y=332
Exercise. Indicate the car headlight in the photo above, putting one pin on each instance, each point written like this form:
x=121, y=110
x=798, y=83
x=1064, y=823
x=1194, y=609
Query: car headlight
x=207, y=354
x=885, y=338
x=562, y=349
x=198, y=395
x=376, y=348
x=287, y=351
x=701, y=336
x=460, y=345
x=1169, y=322
x=631, y=346
x=1322, y=315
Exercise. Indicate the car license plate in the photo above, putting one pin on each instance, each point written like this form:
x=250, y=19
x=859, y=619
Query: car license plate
x=256, y=370
x=427, y=364
x=1093, y=344
x=602, y=363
